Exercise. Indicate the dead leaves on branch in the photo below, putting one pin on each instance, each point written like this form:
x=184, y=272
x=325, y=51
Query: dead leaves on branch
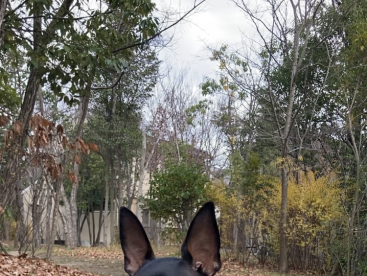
x=60, y=130
x=42, y=136
x=18, y=127
x=71, y=176
x=4, y=120
x=10, y=265
x=45, y=131
x=37, y=121
x=94, y=147
x=48, y=162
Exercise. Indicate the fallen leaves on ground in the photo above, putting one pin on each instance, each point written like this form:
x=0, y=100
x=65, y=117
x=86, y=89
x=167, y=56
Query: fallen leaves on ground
x=91, y=252
x=112, y=252
x=10, y=265
x=234, y=269
x=115, y=252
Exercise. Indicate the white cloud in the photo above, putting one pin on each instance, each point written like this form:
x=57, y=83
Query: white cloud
x=216, y=22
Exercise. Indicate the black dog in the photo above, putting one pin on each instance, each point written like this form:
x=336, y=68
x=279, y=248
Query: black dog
x=200, y=251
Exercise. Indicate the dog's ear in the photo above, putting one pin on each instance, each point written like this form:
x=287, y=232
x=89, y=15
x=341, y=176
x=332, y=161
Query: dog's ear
x=202, y=243
x=134, y=242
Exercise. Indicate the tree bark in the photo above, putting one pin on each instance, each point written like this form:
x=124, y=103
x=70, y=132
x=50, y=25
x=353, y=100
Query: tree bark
x=105, y=213
x=100, y=222
x=54, y=218
x=82, y=113
x=141, y=174
x=21, y=229
x=3, y=4
x=120, y=182
x=48, y=213
x=67, y=216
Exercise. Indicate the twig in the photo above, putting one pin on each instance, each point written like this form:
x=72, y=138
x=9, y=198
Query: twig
x=160, y=32
x=109, y=87
x=3, y=249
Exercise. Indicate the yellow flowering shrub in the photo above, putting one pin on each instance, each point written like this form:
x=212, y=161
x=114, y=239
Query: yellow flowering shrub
x=314, y=215
x=314, y=211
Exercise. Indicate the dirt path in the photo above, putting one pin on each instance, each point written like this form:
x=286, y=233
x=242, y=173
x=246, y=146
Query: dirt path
x=109, y=261
x=113, y=267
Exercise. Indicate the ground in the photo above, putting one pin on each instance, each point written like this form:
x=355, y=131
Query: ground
x=97, y=261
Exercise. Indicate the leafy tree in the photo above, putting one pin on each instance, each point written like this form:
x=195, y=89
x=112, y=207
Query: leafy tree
x=282, y=75
x=66, y=52
x=176, y=193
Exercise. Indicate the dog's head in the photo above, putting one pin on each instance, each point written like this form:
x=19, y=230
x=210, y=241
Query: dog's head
x=200, y=251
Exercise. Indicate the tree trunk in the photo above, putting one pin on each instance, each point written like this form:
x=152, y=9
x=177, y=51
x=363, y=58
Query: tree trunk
x=132, y=196
x=141, y=174
x=48, y=213
x=37, y=210
x=35, y=219
x=98, y=238
x=82, y=113
x=7, y=229
x=21, y=229
x=112, y=200
x=55, y=211
x=129, y=171
x=283, y=261
x=112, y=216
x=121, y=183
x=93, y=223
x=89, y=230
x=67, y=216
x=105, y=213
x=74, y=211
x=11, y=172
x=80, y=228
x=353, y=219
x=3, y=4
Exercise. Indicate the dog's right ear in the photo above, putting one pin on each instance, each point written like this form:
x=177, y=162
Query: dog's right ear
x=134, y=242
x=202, y=243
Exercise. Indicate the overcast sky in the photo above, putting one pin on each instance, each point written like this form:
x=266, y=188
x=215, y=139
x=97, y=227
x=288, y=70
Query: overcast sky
x=214, y=23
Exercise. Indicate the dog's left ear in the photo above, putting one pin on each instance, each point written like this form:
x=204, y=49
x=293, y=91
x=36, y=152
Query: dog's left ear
x=202, y=243
x=134, y=242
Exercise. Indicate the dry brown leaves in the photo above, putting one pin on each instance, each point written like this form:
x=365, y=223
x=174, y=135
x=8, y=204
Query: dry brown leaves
x=10, y=265
x=228, y=268
x=4, y=120
x=44, y=133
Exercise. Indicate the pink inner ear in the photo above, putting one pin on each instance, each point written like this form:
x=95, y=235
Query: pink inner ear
x=131, y=267
x=134, y=242
x=135, y=257
x=203, y=242
x=205, y=258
